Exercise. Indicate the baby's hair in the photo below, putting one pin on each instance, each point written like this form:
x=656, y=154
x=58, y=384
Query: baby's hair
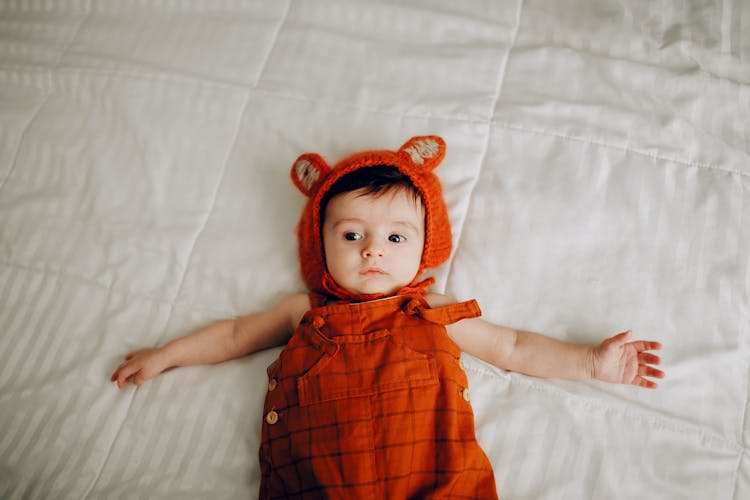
x=376, y=180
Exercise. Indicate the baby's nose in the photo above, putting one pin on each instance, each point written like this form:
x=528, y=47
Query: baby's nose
x=372, y=250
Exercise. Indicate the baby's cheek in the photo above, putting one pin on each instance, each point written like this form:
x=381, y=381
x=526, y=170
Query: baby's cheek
x=414, y=260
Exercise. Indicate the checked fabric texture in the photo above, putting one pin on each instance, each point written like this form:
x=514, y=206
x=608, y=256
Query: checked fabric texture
x=369, y=400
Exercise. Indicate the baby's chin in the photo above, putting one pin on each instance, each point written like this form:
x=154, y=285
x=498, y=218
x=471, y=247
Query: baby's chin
x=374, y=288
x=374, y=291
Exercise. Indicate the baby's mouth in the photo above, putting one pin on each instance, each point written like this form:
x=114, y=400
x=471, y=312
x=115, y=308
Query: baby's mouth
x=372, y=271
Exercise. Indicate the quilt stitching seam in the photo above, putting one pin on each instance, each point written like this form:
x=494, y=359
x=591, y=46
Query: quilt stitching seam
x=571, y=138
x=498, y=92
x=516, y=127
x=21, y=139
x=146, y=297
x=140, y=73
x=179, y=288
x=743, y=328
x=49, y=72
x=477, y=120
x=273, y=43
x=213, y=203
x=221, y=177
x=103, y=463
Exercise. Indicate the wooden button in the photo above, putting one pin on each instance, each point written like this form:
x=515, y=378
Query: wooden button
x=272, y=417
x=272, y=384
x=465, y=394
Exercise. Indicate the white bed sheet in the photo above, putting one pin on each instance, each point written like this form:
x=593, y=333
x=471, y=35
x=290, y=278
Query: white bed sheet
x=597, y=180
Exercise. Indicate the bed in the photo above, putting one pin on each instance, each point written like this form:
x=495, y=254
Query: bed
x=597, y=177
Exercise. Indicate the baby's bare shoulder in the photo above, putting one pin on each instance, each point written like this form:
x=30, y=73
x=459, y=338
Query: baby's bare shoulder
x=295, y=306
x=438, y=299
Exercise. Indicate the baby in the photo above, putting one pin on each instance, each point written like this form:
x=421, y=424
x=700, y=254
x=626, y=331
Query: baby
x=369, y=398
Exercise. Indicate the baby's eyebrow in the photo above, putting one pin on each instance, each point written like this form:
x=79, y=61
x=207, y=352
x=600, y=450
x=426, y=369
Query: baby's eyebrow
x=404, y=223
x=347, y=221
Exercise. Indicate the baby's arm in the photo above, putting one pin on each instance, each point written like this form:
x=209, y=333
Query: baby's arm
x=220, y=341
x=614, y=360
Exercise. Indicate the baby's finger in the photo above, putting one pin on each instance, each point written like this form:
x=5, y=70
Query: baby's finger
x=642, y=382
x=116, y=373
x=621, y=338
x=645, y=345
x=125, y=381
x=645, y=358
x=652, y=346
x=649, y=371
x=125, y=374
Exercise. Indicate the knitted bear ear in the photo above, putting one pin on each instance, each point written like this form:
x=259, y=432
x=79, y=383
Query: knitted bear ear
x=308, y=171
x=425, y=152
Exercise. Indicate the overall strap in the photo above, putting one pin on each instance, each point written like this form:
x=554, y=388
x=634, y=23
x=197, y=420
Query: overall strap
x=444, y=315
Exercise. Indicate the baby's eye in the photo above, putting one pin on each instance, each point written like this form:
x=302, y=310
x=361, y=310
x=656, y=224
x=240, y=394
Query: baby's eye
x=396, y=238
x=352, y=236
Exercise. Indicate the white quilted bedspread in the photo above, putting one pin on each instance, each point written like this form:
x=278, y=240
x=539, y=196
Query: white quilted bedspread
x=597, y=175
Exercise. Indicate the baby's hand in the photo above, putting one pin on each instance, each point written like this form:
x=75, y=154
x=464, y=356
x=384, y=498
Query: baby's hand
x=139, y=367
x=622, y=362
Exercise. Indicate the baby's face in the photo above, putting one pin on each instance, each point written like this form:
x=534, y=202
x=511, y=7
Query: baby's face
x=373, y=244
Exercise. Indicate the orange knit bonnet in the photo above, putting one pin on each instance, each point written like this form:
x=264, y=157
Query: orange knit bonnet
x=416, y=159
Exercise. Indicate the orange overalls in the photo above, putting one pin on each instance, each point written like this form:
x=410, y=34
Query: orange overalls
x=369, y=401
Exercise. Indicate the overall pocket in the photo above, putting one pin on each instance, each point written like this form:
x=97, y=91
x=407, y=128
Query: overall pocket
x=366, y=365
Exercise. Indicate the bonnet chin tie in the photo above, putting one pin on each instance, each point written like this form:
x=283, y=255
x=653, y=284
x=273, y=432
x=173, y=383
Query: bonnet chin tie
x=330, y=287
